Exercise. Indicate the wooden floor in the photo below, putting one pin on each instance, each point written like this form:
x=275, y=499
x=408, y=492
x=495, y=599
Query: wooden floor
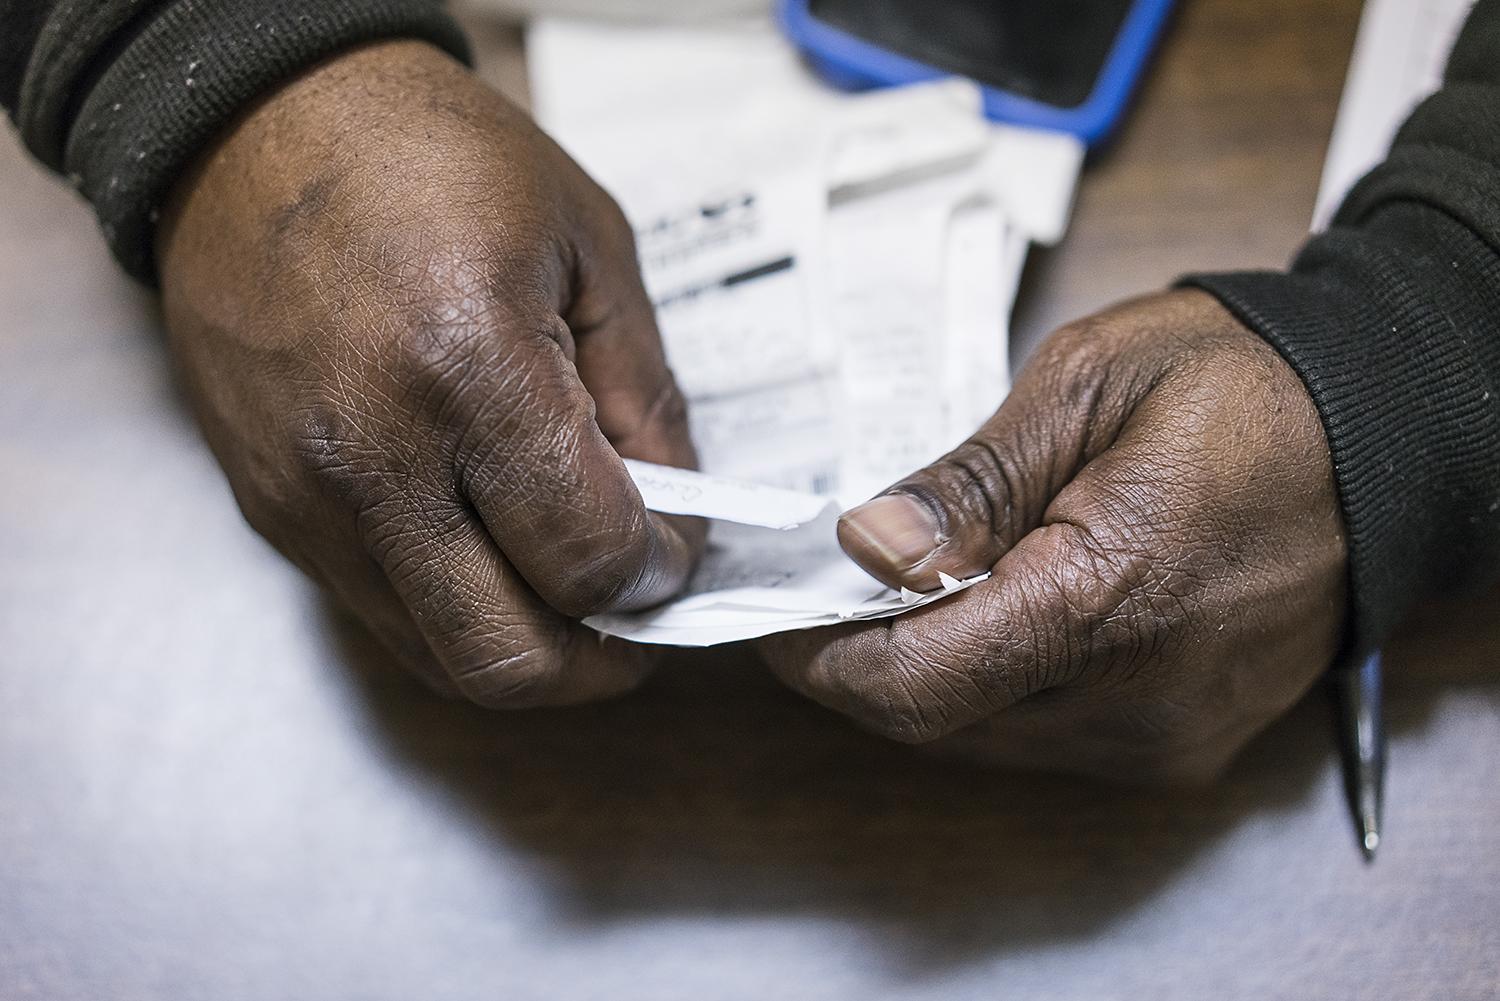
x=214, y=786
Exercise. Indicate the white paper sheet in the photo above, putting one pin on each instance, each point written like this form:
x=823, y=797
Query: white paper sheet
x=683, y=491
x=832, y=273
x=773, y=564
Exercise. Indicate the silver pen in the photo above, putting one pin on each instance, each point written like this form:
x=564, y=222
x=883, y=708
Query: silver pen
x=1361, y=726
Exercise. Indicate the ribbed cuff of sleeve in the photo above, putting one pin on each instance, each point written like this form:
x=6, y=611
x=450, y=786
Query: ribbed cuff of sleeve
x=1410, y=419
x=187, y=72
x=1392, y=321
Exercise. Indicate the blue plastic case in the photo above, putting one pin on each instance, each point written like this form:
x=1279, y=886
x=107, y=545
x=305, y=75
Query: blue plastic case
x=852, y=63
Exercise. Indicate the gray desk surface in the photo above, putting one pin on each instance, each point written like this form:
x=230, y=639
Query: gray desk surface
x=213, y=786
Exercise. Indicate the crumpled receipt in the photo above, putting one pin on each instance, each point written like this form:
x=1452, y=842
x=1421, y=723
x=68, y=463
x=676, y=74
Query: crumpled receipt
x=772, y=564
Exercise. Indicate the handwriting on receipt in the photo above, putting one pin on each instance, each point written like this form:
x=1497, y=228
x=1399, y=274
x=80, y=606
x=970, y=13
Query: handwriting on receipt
x=684, y=492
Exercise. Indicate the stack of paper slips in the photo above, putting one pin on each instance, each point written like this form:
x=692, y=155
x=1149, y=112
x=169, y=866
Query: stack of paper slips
x=832, y=272
x=773, y=564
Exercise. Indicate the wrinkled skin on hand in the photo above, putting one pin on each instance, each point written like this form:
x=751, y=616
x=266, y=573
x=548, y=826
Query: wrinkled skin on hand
x=415, y=336
x=1155, y=501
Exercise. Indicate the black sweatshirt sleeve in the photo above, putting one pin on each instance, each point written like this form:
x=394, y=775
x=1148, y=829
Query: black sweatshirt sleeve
x=120, y=94
x=1392, y=320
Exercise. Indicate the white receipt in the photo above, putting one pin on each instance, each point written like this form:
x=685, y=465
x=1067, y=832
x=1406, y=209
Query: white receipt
x=832, y=272
x=682, y=491
x=773, y=564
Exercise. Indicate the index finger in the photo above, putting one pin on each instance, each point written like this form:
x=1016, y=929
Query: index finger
x=549, y=487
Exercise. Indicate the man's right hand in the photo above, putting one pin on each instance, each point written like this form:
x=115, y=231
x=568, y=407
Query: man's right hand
x=1155, y=504
x=415, y=336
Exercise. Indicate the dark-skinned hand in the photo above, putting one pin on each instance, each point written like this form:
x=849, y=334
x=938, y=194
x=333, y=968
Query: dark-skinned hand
x=1155, y=504
x=415, y=336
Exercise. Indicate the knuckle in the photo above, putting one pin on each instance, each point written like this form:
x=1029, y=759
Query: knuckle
x=518, y=426
x=325, y=450
x=463, y=361
x=1075, y=354
x=1093, y=370
x=409, y=544
x=436, y=361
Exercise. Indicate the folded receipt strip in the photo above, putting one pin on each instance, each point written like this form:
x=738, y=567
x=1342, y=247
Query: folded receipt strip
x=772, y=564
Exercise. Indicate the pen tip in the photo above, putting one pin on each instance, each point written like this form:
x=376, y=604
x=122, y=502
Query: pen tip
x=1370, y=843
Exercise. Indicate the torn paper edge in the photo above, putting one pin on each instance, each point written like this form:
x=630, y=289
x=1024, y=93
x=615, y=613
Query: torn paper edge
x=639, y=627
